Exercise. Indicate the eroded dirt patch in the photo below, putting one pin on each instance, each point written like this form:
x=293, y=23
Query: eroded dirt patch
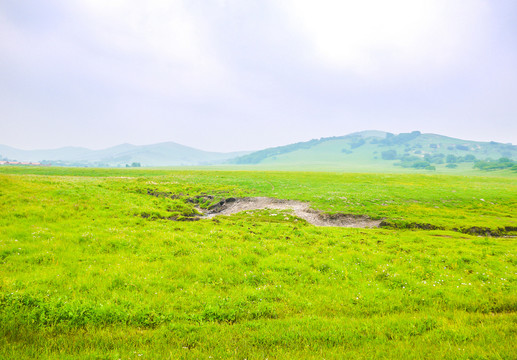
x=297, y=208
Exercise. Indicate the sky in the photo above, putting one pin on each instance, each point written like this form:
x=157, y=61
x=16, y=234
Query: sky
x=230, y=75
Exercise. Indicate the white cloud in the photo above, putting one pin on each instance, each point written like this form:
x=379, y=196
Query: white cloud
x=369, y=36
x=163, y=30
x=196, y=72
x=165, y=45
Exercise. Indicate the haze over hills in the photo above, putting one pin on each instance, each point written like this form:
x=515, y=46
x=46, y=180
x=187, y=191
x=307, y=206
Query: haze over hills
x=363, y=150
x=161, y=154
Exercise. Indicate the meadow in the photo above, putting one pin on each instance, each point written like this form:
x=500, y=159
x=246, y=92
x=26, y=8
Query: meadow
x=108, y=264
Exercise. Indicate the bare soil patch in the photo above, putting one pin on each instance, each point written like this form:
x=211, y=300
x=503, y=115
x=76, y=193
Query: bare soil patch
x=297, y=208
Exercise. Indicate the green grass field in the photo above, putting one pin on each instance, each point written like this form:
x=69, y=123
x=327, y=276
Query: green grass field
x=91, y=268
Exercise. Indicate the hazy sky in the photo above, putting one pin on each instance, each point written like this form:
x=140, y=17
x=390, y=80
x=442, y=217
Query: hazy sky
x=243, y=75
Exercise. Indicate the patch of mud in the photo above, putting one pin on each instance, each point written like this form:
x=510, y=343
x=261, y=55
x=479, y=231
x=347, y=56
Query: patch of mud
x=297, y=208
x=147, y=215
x=162, y=194
x=475, y=230
x=203, y=197
x=484, y=231
x=413, y=225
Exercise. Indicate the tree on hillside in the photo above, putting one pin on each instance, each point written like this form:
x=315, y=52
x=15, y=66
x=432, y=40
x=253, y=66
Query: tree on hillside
x=451, y=159
x=389, y=155
x=400, y=138
x=502, y=163
x=469, y=158
x=357, y=144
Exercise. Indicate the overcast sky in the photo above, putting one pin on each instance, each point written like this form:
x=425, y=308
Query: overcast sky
x=243, y=75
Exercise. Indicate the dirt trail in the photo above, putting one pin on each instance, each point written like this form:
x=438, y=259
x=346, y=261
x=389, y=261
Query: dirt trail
x=298, y=209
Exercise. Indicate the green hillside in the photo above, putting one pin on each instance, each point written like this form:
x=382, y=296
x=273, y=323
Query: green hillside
x=382, y=151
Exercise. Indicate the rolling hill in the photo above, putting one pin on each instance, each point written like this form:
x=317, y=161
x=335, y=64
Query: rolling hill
x=381, y=150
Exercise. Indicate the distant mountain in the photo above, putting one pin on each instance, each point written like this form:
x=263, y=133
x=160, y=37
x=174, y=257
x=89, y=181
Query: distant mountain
x=377, y=149
x=65, y=154
x=162, y=154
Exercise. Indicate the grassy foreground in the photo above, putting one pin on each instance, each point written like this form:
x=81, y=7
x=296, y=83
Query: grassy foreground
x=91, y=268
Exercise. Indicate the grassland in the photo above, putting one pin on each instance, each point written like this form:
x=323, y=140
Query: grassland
x=91, y=268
